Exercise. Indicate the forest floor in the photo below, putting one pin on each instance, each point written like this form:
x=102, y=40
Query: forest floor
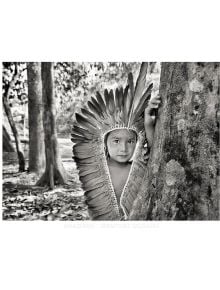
x=23, y=200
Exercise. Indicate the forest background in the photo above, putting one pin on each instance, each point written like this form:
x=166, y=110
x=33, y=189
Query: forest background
x=74, y=84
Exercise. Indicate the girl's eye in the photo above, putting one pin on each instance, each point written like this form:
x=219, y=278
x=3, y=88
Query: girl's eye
x=116, y=141
x=131, y=141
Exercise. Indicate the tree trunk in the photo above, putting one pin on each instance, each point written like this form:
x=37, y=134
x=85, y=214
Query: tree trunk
x=35, y=117
x=54, y=172
x=182, y=178
x=7, y=108
x=7, y=143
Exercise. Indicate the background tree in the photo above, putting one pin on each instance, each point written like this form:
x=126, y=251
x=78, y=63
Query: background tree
x=182, y=179
x=54, y=172
x=35, y=118
x=7, y=143
x=11, y=74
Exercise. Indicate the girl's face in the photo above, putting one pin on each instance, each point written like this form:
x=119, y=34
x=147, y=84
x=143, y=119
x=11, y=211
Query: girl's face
x=121, y=144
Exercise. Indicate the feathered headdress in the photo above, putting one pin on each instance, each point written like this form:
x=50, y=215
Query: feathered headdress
x=122, y=109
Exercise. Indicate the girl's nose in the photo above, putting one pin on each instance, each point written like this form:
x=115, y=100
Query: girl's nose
x=123, y=147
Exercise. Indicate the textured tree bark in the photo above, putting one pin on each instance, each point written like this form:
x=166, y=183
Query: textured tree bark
x=21, y=160
x=54, y=172
x=182, y=177
x=35, y=117
x=7, y=144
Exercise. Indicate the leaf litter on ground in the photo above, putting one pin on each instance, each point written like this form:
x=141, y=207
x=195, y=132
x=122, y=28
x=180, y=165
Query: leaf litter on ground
x=22, y=200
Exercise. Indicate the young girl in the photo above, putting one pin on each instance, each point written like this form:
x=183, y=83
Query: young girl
x=109, y=138
x=120, y=146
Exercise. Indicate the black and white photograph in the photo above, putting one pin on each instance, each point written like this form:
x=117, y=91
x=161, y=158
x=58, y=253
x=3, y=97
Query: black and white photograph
x=110, y=145
x=111, y=141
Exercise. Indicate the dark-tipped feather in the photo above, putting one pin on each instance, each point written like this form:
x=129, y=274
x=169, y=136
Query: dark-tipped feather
x=87, y=113
x=85, y=123
x=100, y=101
x=131, y=84
x=117, y=98
x=121, y=98
x=98, y=107
x=141, y=81
x=125, y=104
x=142, y=104
x=93, y=109
x=83, y=132
x=119, y=114
x=78, y=140
x=106, y=96
x=125, y=93
x=76, y=137
x=130, y=98
x=111, y=102
x=91, y=117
